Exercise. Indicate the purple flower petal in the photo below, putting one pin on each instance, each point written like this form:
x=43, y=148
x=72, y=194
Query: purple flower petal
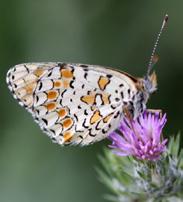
x=140, y=138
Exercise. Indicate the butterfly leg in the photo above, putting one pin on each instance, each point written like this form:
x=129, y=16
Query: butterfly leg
x=128, y=112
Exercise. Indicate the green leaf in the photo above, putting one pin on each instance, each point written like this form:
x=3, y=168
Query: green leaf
x=174, y=145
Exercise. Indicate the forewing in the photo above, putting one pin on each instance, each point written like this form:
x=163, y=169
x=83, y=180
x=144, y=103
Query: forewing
x=72, y=103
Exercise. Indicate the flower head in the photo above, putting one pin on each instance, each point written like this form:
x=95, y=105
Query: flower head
x=140, y=138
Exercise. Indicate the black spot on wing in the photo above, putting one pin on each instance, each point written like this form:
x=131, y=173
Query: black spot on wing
x=85, y=75
x=37, y=98
x=104, y=131
x=50, y=73
x=60, y=102
x=82, y=65
x=15, y=85
x=53, y=138
x=129, y=91
x=117, y=114
x=62, y=65
x=28, y=71
x=90, y=133
x=131, y=103
x=117, y=99
x=63, y=92
x=122, y=95
x=109, y=76
x=80, y=136
x=97, y=126
x=113, y=107
x=76, y=117
x=85, y=112
x=71, y=84
x=84, y=122
x=45, y=121
x=37, y=111
x=36, y=119
x=40, y=86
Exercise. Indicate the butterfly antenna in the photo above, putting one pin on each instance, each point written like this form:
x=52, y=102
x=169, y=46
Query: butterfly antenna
x=154, y=58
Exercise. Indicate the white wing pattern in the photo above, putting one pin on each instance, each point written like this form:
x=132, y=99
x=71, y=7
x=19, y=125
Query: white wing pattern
x=72, y=103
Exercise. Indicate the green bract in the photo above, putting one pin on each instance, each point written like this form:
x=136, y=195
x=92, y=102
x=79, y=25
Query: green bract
x=132, y=180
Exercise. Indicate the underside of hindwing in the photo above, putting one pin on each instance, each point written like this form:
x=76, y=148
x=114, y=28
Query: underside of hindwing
x=72, y=103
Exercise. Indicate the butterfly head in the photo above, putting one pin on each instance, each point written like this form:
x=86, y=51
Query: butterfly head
x=150, y=83
x=145, y=87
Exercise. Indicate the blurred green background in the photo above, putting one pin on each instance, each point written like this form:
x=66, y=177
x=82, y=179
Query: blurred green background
x=116, y=33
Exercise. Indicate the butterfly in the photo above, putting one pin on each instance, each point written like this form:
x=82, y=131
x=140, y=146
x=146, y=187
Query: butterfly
x=79, y=104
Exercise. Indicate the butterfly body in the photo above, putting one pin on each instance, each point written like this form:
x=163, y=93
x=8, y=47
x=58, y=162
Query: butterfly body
x=77, y=103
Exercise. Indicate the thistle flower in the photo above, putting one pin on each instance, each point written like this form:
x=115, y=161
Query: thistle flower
x=140, y=138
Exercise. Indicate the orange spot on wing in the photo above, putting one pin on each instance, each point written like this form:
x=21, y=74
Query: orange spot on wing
x=38, y=72
x=27, y=100
x=66, y=73
x=67, y=136
x=30, y=88
x=95, y=117
x=52, y=94
x=88, y=99
x=67, y=123
x=57, y=83
x=51, y=106
x=62, y=112
x=66, y=83
x=105, y=98
x=107, y=118
x=102, y=82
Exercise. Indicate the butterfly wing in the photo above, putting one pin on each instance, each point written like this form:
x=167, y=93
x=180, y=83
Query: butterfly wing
x=72, y=103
